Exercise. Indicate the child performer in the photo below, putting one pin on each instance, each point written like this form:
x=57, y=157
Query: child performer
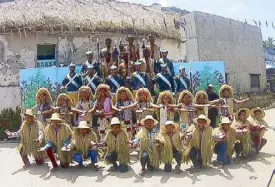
x=166, y=102
x=31, y=133
x=117, y=147
x=83, y=145
x=43, y=107
x=258, y=128
x=123, y=99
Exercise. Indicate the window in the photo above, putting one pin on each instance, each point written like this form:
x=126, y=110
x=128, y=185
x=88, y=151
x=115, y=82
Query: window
x=255, y=81
x=46, y=55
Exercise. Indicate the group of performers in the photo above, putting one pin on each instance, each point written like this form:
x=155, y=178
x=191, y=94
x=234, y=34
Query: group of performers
x=106, y=116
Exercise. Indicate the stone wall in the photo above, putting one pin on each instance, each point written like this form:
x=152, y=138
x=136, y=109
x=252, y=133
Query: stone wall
x=239, y=45
x=18, y=52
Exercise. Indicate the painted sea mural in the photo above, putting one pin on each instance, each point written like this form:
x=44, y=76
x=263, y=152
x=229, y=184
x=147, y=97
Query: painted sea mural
x=33, y=79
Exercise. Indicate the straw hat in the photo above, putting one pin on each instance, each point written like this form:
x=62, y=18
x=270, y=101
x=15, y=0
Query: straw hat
x=163, y=127
x=256, y=110
x=225, y=120
x=83, y=125
x=203, y=117
x=55, y=117
x=247, y=113
x=29, y=112
x=148, y=117
x=115, y=121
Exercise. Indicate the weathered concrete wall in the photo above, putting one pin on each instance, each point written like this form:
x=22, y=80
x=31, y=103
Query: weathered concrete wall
x=238, y=44
x=21, y=52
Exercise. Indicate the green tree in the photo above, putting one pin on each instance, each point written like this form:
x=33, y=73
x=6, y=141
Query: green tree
x=269, y=43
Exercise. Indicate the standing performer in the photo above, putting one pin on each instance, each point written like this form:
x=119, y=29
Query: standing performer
x=198, y=148
x=83, y=145
x=58, y=136
x=117, y=147
x=149, y=145
x=258, y=128
x=148, y=62
x=103, y=108
x=84, y=104
x=165, y=60
x=92, y=79
x=123, y=99
x=213, y=112
x=155, y=49
x=166, y=103
x=114, y=81
x=224, y=141
x=164, y=80
x=172, y=146
x=242, y=126
x=227, y=99
x=43, y=107
x=181, y=82
x=139, y=79
x=90, y=62
x=31, y=134
x=72, y=82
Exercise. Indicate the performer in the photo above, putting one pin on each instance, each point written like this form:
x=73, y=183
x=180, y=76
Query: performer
x=90, y=62
x=32, y=138
x=181, y=82
x=166, y=103
x=123, y=99
x=198, y=148
x=139, y=79
x=224, y=141
x=147, y=62
x=258, y=128
x=132, y=50
x=92, y=79
x=114, y=81
x=58, y=136
x=43, y=107
x=83, y=145
x=164, y=80
x=65, y=108
x=212, y=112
x=172, y=141
x=117, y=147
x=242, y=126
x=226, y=99
x=187, y=109
x=84, y=104
x=149, y=145
x=103, y=108
x=155, y=49
x=72, y=82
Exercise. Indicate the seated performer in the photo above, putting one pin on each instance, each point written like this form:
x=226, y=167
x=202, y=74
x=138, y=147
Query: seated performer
x=103, y=108
x=58, y=136
x=166, y=103
x=117, y=147
x=83, y=145
x=258, y=128
x=164, y=80
x=43, y=107
x=226, y=94
x=224, y=142
x=31, y=134
x=84, y=104
x=198, y=148
x=114, y=81
x=149, y=145
x=92, y=79
x=72, y=82
x=242, y=127
x=88, y=63
x=172, y=146
x=123, y=99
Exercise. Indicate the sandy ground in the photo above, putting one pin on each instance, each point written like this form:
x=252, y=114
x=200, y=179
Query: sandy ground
x=254, y=172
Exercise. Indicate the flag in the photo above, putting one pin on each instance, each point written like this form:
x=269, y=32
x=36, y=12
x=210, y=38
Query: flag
x=255, y=22
x=266, y=23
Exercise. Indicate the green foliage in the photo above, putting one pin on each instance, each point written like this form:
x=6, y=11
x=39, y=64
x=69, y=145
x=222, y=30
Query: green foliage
x=269, y=43
x=9, y=119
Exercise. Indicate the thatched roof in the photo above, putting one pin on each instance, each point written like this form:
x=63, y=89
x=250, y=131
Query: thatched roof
x=86, y=16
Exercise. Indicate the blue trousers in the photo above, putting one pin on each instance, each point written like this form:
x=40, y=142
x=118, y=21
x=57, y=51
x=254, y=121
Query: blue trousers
x=79, y=159
x=195, y=156
x=112, y=158
x=220, y=150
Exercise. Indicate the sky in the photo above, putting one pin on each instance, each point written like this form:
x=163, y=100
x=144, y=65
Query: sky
x=259, y=10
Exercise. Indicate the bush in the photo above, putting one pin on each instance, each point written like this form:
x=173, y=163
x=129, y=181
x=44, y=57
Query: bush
x=9, y=119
